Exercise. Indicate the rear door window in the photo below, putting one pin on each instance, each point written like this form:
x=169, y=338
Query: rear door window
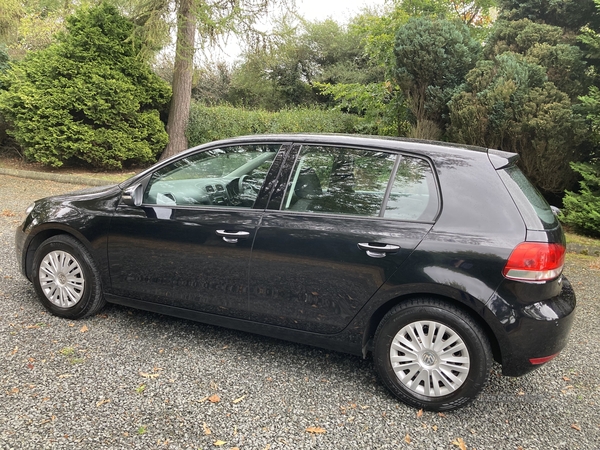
x=337, y=180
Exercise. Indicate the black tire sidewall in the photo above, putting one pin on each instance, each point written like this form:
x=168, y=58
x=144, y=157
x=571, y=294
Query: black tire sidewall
x=471, y=334
x=83, y=305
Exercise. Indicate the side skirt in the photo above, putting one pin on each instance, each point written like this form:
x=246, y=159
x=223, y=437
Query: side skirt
x=337, y=342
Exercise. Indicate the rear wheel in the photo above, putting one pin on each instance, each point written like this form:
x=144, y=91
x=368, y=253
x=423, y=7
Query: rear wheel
x=432, y=355
x=66, y=279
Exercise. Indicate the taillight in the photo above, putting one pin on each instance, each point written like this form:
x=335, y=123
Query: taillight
x=535, y=261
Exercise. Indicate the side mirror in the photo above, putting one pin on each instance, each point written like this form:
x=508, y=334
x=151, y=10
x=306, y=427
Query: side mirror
x=132, y=196
x=555, y=210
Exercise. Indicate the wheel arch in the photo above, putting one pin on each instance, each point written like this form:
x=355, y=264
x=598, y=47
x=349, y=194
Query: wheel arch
x=46, y=233
x=380, y=313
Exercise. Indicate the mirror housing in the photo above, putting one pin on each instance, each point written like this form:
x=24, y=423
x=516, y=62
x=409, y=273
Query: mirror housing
x=132, y=196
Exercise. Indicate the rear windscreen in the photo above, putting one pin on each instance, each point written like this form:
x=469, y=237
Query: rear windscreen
x=533, y=207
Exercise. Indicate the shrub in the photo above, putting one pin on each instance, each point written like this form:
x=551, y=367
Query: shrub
x=88, y=98
x=582, y=210
x=219, y=122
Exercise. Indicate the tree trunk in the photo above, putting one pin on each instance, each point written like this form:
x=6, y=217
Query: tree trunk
x=179, y=112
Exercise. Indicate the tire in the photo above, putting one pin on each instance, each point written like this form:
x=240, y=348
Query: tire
x=426, y=372
x=66, y=279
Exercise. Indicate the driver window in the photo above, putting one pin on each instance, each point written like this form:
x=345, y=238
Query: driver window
x=229, y=176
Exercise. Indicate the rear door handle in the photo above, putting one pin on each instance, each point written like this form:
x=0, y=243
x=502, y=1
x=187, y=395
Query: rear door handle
x=378, y=250
x=232, y=237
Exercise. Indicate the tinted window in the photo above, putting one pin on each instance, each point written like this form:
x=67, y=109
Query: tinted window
x=533, y=207
x=230, y=176
x=336, y=180
x=413, y=195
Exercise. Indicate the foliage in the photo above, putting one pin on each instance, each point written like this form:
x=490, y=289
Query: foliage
x=212, y=83
x=380, y=104
x=4, y=64
x=36, y=31
x=284, y=73
x=88, y=97
x=210, y=20
x=569, y=14
x=219, y=122
x=507, y=103
x=10, y=10
x=545, y=45
x=432, y=58
x=582, y=209
x=470, y=12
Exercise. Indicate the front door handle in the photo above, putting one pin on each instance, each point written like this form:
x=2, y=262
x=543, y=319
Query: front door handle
x=378, y=250
x=232, y=237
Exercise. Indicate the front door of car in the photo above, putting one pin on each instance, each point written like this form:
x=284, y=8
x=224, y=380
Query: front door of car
x=188, y=244
x=337, y=227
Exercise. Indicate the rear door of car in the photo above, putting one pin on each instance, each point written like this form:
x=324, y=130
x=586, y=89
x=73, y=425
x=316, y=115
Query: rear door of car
x=188, y=244
x=338, y=224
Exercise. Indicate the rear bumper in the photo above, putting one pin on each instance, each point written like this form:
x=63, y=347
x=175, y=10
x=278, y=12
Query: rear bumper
x=533, y=331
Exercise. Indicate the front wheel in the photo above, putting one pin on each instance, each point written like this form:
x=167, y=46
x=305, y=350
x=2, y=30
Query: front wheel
x=66, y=279
x=432, y=355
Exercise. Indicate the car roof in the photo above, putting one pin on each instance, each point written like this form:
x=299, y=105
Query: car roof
x=384, y=142
x=424, y=147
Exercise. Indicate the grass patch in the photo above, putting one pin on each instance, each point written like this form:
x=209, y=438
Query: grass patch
x=67, y=351
x=573, y=238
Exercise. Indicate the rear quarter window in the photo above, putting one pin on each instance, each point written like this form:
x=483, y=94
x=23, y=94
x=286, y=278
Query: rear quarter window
x=534, y=209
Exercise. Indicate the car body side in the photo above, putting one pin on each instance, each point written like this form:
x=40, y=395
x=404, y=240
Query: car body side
x=461, y=265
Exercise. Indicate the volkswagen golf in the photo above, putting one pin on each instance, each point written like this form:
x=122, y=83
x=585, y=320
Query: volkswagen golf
x=434, y=259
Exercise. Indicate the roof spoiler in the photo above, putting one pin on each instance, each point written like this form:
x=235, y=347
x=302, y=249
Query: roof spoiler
x=500, y=159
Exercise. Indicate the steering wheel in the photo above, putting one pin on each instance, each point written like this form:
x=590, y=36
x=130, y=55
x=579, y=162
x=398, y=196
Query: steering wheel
x=247, y=185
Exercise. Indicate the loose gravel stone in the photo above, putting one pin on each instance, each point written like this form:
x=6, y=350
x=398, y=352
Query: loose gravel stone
x=132, y=379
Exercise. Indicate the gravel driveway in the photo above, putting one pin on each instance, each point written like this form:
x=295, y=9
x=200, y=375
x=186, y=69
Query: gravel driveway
x=131, y=379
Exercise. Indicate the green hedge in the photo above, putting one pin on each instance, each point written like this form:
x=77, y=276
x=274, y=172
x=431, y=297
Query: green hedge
x=87, y=98
x=219, y=122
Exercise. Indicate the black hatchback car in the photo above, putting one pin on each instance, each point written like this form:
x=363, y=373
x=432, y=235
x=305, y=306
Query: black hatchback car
x=434, y=258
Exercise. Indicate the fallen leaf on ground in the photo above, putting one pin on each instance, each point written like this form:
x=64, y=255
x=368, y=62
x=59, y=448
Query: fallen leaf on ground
x=15, y=350
x=102, y=402
x=237, y=400
x=84, y=329
x=219, y=443
x=419, y=413
x=576, y=427
x=149, y=375
x=407, y=439
x=441, y=414
x=316, y=430
x=458, y=442
x=566, y=379
x=214, y=398
x=206, y=429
